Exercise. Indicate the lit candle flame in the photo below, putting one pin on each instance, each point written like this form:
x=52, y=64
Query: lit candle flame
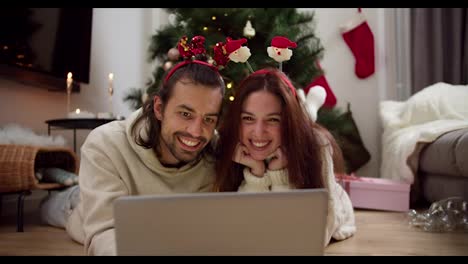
x=77, y=111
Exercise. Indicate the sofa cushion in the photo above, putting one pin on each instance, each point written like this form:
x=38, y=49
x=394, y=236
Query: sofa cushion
x=447, y=155
x=436, y=187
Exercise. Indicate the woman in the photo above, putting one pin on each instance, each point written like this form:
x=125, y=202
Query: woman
x=268, y=142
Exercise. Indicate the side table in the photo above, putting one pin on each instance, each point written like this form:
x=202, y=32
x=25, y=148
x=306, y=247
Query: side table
x=74, y=124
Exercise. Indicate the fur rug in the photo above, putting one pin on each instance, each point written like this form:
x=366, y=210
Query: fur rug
x=16, y=134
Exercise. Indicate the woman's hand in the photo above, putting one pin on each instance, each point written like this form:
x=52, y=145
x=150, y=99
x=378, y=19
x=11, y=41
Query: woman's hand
x=242, y=156
x=278, y=160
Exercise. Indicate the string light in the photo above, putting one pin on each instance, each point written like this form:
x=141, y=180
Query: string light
x=231, y=98
x=205, y=28
x=229, y=85
x=213, y=18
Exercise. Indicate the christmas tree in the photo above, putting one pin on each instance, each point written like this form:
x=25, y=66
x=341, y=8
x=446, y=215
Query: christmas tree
x=257, y=25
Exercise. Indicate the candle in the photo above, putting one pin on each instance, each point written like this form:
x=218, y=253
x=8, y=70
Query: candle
x=69, y=80
x=111, y=80
x=111, y=92
x=77, y=111
x=69, y=88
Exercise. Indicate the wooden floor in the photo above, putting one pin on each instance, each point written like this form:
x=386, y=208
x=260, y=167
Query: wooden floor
x=388, y=233
x=379, y=233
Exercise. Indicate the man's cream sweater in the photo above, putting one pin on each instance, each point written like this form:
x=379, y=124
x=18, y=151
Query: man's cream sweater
x=113, y=165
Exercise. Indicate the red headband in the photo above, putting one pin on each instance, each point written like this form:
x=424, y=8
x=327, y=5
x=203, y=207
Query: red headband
x=186, y=62
x=282, y=76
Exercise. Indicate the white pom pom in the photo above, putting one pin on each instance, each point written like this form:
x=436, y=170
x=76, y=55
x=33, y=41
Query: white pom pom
x=301, y=95
x=315, y=99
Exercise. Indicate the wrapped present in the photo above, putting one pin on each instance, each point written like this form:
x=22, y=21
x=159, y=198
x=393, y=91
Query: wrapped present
x=376, y=193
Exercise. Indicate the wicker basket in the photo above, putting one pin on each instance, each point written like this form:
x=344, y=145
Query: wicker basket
x=18, y=163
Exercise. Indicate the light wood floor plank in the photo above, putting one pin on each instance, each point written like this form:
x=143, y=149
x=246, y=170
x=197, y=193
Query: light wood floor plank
x=379, y=233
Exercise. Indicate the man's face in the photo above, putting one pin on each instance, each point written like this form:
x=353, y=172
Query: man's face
x=187, y=121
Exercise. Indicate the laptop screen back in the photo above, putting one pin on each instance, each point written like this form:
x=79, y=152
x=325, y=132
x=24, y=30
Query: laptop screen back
x=229, y=223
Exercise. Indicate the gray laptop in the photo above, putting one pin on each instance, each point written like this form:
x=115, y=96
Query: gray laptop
x=229, y=223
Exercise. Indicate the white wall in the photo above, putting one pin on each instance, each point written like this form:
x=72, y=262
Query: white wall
x=120, y=39
x=363, y=94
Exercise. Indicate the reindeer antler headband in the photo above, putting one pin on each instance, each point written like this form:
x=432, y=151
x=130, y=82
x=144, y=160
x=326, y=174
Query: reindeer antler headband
x=189, y=51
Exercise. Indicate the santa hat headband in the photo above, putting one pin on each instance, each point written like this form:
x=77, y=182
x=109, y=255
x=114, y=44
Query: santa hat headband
x=233, y=45
x=231, y=50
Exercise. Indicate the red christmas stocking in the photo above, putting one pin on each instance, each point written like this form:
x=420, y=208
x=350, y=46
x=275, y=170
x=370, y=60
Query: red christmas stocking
x=330, y=100
x=358, y=35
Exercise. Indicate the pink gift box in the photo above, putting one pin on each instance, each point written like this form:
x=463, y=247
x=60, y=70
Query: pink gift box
x=376, y=193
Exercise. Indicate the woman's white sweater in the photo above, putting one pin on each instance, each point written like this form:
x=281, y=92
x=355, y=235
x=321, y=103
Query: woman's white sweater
x=340, y=219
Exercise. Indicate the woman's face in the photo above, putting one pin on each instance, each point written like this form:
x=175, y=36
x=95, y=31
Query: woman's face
x=260, y=129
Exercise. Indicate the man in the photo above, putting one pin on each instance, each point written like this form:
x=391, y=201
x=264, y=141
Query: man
x=164, y=147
